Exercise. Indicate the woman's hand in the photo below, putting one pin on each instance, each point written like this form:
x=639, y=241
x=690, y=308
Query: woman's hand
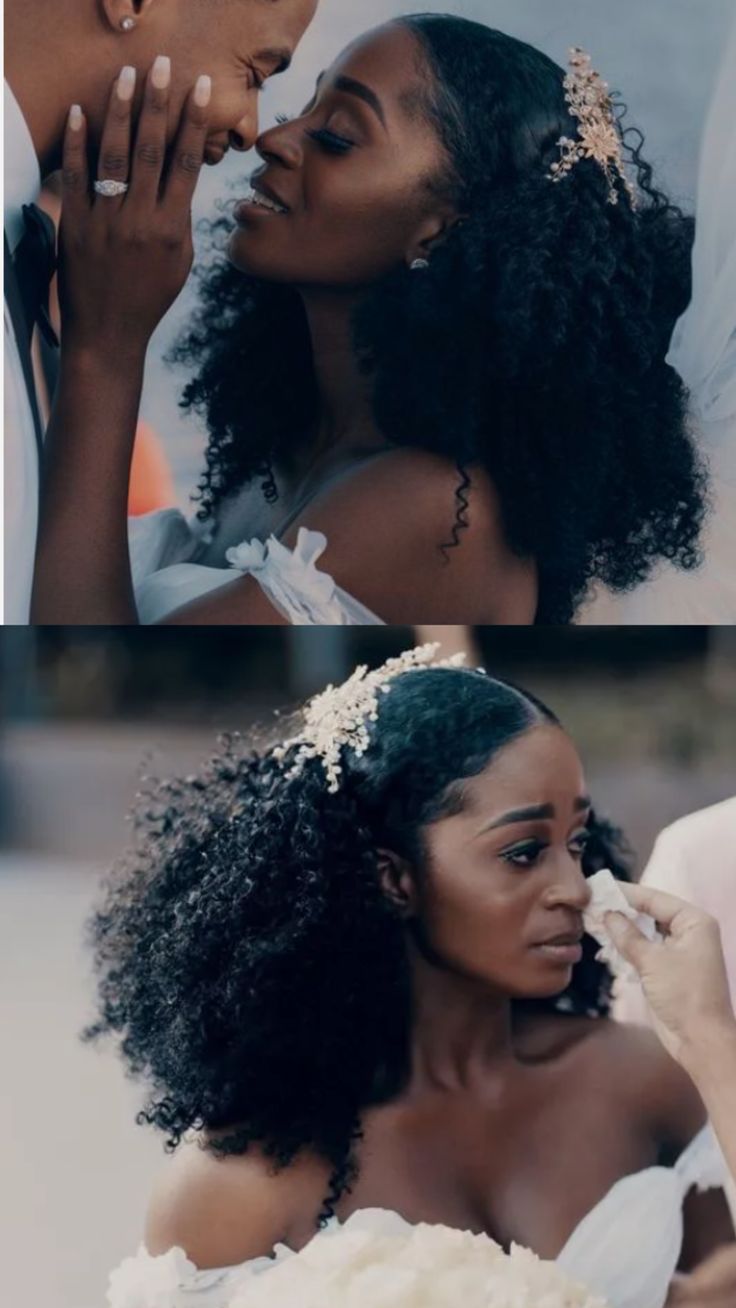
x=683, y=975
x=123, y=260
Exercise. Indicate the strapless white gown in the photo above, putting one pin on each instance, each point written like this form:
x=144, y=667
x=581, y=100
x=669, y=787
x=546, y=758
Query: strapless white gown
x=626, y=1249
x=703, y=351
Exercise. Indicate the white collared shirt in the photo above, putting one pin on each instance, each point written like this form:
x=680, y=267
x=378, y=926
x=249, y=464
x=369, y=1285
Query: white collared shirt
x=22, y=185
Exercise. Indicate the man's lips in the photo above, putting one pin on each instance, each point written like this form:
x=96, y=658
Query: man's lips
x=214, y=152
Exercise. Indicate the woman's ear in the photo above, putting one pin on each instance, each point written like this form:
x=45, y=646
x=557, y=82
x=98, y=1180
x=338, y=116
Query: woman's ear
x=397, y=881
x=430, y=234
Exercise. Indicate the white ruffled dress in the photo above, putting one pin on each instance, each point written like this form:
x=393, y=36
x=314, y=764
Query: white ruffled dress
x=626, y=1250
x=163, y=546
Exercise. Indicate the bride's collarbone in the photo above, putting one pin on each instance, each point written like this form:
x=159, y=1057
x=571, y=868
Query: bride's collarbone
x=511, y=1168
x=538, y=1198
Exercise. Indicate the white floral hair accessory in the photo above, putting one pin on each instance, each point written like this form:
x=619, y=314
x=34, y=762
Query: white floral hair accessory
x=338, y=718
x=599, y=137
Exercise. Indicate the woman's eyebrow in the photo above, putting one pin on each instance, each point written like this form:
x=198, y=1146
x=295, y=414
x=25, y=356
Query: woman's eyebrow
x=364, y=93
x=526, y=814
x=530, y=813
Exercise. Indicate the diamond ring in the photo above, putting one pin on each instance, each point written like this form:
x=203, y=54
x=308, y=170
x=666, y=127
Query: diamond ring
x=111, y=188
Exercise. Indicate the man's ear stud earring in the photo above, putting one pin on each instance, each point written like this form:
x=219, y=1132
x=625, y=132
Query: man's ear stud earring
x=127, y=24
x=419, y=265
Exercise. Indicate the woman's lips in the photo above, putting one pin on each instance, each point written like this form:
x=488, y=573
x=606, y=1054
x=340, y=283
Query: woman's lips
x=257, y=205
x=564, y=954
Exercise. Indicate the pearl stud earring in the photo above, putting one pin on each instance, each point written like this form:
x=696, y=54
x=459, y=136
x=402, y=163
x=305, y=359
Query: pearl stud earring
x=127, y=24
x=419, y=265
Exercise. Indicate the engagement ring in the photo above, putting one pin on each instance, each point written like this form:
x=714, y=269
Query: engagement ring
x=111, y=188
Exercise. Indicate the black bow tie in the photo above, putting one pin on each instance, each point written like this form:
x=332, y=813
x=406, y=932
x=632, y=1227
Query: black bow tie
x=35, y=264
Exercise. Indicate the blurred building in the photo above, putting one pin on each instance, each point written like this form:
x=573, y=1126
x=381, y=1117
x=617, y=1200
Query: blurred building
x=652, y=710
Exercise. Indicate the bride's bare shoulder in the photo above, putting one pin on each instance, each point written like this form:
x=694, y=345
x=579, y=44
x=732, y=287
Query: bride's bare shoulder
x=632, y=1063
x=224, y=1210
x=630, y=1057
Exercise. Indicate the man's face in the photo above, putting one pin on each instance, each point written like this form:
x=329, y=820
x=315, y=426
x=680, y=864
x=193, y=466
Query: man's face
x=238, y=43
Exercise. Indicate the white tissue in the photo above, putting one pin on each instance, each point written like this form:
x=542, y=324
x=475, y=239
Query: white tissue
x=607, y=897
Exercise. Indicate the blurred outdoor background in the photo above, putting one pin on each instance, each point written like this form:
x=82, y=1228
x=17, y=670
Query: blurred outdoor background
x=84, y=710
x=661, y=55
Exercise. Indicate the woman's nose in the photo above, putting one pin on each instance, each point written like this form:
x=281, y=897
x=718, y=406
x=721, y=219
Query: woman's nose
x=570, y=887
x=280, y=144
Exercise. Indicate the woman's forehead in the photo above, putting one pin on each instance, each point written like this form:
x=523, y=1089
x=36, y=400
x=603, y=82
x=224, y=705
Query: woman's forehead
x=389, y=58
x=540, y=766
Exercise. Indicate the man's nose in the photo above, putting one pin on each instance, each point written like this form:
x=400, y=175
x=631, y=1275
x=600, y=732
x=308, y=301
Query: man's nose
x=245, y=133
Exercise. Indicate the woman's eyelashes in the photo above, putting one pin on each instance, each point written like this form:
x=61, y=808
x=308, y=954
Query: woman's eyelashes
x=256, y=78
x=330, y=141
x=525, y=853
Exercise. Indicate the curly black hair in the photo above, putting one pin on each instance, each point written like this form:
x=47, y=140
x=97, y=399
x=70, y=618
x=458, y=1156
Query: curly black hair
x=249, y=963
x=533, y=346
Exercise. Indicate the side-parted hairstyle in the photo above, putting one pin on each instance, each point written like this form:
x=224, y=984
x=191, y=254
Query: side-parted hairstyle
x=250, y=967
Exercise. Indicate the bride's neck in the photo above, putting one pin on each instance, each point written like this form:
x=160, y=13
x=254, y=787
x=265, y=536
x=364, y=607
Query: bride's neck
x=346, y=413
x=461, y=1030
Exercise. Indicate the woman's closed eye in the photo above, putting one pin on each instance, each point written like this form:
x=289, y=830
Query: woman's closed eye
x=333, y=142
x=330, y=141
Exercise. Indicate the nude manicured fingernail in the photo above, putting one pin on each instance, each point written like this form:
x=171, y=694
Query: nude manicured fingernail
x=202, y=90
x=75, y=117
x=126, y=83
x=161, y=72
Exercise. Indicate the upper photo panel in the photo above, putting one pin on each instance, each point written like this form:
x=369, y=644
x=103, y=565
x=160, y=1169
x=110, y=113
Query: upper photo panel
x=444, y=332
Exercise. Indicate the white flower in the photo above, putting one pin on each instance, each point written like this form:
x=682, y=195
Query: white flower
x=338, y=718
x=379, y=1261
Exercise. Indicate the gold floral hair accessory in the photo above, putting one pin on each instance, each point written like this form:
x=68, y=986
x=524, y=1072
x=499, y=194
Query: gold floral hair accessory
x=338, y=717
x=599, y=137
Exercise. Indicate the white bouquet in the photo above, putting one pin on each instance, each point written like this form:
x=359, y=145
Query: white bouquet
x=377, y=1260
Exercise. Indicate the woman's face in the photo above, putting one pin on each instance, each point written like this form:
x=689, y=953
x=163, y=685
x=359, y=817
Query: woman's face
x=347, y=179
x=503, y=892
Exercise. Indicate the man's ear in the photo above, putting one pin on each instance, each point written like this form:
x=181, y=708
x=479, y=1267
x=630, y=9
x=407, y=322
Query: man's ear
x=124, y=15
x=397, y=881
